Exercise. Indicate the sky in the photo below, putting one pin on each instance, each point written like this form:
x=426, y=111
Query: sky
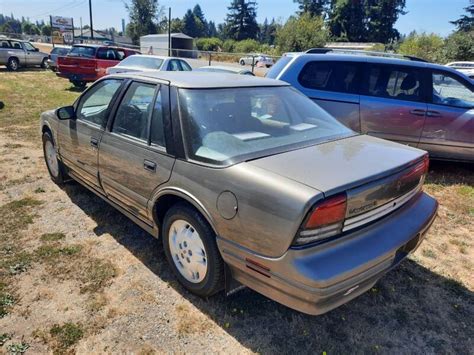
x=423, y=15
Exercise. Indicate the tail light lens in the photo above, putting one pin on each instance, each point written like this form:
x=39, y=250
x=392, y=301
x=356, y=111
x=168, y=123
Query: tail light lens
x=324, y=221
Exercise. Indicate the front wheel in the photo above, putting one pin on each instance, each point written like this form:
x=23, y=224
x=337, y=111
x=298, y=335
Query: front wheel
x=190, y=247
x=55, y=167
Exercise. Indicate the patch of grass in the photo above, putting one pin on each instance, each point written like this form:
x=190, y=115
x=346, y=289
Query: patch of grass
x=96, y=275
x=17, y=263
x=39, y=190
x=52, y=237
x=19, y=348
x=16, y=216
x=51, y=252
x=429, y=253
x=66, y=335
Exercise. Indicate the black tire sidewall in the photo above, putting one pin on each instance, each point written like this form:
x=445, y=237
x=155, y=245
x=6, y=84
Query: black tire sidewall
x=44, y=63
x=57, y=179
x=213, y=282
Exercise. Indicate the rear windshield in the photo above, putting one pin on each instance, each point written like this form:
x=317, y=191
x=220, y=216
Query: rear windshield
x=60, y=51
x=227, y=126
x=81, y=51
x=278, y=67
x=138, y=61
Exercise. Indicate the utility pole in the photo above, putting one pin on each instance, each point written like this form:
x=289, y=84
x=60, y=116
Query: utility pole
x=82, y=34
x=90, y=16
x=169, y=33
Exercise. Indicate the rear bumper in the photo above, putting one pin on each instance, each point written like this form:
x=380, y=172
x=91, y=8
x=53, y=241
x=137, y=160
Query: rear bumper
x=317, y=279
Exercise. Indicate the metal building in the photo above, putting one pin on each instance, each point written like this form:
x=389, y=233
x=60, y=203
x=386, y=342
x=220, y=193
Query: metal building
x=181, y=45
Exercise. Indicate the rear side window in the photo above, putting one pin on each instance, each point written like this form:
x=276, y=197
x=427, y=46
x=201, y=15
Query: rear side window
x=4, y=44
x=330, y=76
x=132, y=115
x=108, y=54
x=394, y=82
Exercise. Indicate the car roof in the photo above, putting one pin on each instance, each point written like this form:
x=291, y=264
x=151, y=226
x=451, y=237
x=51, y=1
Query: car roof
x=371, y=59
x=203, y=80
x=225, y=67
x=154, y=56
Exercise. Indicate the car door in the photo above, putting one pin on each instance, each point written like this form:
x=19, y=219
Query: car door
x=133, y=160
x=333, y=85
x=393, y=102
x=33, y=56
x=19, y=52
x=449, y=126
x=79, y=139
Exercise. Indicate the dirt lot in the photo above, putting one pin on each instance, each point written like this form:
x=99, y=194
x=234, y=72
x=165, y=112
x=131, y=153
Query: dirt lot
x=77, y=276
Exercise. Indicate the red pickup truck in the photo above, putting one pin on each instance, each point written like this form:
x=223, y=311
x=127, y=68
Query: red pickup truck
x=86, y=63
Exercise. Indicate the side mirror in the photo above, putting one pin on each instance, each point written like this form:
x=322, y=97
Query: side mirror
x=66, y=113
x=36, y=49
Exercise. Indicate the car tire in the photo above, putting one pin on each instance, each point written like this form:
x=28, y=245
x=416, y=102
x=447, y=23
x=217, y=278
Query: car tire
x=44, y=63
x=55, y=166
x=242, y=62
x=79, y=84
x=190, y=246
x=13, y=64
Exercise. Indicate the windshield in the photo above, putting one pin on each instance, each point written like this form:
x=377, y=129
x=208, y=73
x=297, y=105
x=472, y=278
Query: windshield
x=227, y=126
x=278, y=67
x=137, y=61
x=81, y=51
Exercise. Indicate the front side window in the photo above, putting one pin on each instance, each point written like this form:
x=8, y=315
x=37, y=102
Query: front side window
x=29, y=47
x=107, y=54
x=185, y=66
x=132, y=115
x=94, y=105
x=448, y=90
x=225, y=126
x=330, y=76
x=395, y=82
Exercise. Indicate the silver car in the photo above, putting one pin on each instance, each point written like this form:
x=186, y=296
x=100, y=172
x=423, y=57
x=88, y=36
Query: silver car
x=141, y=62
x=246, y=181
x=16, y=54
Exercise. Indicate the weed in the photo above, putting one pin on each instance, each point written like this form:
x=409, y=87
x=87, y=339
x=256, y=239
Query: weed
x=52, y=237
x=4, y=338
x=12, y=145
x=19, y=348
x=66, y=335
x=6, y=302
x=39, y=190
x=429, y=253
x=50, y=252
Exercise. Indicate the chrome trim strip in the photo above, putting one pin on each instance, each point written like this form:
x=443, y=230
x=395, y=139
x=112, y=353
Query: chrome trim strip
x=381, y=211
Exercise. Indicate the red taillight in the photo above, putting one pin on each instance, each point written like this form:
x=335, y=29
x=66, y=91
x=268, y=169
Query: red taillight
x=325, y=220
x=330, y=211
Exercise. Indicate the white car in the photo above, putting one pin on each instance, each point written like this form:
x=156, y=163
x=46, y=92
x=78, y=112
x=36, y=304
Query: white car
x=466, y=68
x=137, y=63
x=260, y=60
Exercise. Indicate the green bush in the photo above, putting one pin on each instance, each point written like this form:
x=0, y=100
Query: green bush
x=427, y=46
x=247, y=46
x=209, y=44
x=228, y=45
x=459, y=46
x=301, y=33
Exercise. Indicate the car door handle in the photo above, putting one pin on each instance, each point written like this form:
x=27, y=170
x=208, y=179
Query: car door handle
x=94, y=142
x=433, y=114
x=149, y=165
x=418, y=112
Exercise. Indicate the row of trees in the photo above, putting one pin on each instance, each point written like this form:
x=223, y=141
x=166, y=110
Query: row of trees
x=9, y=24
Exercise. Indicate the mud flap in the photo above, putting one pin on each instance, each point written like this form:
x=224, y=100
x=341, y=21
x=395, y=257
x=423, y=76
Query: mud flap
x=231, y=285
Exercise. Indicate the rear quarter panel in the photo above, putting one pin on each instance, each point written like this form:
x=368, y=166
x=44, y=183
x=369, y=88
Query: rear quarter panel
x=270, y=207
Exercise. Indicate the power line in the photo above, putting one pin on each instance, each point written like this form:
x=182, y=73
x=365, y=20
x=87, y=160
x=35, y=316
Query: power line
x=68, y=6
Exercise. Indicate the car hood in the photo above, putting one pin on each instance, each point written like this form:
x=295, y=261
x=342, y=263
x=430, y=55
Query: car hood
x=342, y=164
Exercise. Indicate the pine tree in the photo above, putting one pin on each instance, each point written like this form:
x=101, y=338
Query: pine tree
x=190, y=26
x=211, y=29
x=313, y=7
x=466, y=22
x=201, y=22
x=241, y=20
